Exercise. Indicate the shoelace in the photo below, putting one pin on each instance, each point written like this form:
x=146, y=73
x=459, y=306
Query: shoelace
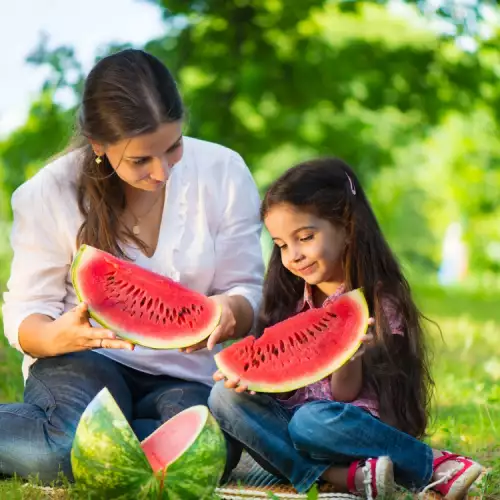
x=446, y=476
x=367, y=480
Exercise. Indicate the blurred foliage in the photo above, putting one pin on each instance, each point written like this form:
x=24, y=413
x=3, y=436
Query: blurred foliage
x=387, y=86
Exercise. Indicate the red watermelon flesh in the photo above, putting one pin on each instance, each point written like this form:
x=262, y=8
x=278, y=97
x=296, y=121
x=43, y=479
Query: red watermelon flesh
x=140, y=305
x=300, y=350
x=170, y=440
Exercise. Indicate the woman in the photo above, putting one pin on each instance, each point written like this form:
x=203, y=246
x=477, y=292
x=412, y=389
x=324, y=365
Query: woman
x=137, y=188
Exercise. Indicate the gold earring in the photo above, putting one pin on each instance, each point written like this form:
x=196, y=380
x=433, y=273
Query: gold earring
x=98, y=160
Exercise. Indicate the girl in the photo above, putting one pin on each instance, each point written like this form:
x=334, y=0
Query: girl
x=136, y=187
x=358, y=429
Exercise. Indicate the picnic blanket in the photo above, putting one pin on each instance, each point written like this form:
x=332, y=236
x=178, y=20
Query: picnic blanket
x=250, y=481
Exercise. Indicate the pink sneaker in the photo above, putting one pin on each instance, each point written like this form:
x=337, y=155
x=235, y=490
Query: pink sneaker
x=454, y=484
x=378, y=478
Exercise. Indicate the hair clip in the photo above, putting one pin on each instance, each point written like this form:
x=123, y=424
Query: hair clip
x=353, y=189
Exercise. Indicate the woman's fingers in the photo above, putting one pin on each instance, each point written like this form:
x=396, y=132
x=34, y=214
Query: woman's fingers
x=100, y=333
x=82, y=310
x=214, y=338
x=117, y=344
x=100, y=338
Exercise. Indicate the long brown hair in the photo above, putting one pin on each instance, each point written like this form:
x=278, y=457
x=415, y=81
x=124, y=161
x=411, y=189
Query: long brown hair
x=397, y=368
x=126, y=94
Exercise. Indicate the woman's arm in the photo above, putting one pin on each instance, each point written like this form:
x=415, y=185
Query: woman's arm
x=239, y=266
x=243, y=314
x=35, y=335
x=40, y=263
x=33, y=310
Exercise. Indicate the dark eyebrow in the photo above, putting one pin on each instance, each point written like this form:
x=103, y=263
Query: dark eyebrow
x=298, y=231
x=176, y=142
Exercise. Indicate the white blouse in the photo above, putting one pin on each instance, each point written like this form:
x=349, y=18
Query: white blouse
x=209, y=241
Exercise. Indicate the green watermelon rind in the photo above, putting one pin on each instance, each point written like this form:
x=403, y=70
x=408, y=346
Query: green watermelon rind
x=298, y=382
x=126, y=474
x=135, y=338
x=103, y=431
x=196, y=473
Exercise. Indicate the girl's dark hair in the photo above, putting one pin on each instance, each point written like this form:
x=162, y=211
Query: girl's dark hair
x=126, y=94
x=397, y=368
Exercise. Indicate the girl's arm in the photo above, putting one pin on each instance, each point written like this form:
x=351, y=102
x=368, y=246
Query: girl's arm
x=347, y=381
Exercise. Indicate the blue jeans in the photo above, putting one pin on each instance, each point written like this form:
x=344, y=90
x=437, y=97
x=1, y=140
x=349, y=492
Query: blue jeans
x=36, y=436
x=299, y=446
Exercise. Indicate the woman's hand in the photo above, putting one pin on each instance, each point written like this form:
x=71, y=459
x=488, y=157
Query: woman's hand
x=367, y=341
x=231, y=383
x=224, y=331
x=73, y=332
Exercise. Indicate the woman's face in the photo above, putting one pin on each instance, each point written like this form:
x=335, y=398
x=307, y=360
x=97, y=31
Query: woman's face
x=145, y=162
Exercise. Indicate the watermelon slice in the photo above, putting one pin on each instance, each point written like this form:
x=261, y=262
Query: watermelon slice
x=300, y=350
x=183, y=459
x=141, y=306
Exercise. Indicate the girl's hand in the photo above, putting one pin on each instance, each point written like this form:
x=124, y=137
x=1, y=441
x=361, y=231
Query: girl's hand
x=225, y=329
x=367, y=341
x=231, y=383
x=73, y=332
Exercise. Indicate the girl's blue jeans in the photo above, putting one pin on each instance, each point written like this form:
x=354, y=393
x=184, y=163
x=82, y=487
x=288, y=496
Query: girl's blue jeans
x=299, y=446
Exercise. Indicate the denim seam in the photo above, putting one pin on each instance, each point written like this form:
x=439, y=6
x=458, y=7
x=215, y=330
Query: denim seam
x=429, y=467
x=281, y=411
x=314, y=474
x=13, y=413
x=53, y=404
x=245, y=445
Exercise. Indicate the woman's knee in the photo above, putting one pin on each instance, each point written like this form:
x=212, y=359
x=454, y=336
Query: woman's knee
x=47, y=464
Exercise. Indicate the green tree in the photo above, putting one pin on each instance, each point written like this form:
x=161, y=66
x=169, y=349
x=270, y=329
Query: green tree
x=281, y=81
x=267, y=74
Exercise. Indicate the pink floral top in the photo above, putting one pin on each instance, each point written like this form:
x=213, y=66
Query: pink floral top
x=321, y=390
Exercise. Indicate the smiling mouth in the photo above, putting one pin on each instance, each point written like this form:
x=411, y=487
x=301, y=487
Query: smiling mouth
x=305, y=268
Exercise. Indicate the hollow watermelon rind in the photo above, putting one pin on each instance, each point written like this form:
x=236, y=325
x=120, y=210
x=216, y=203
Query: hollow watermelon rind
x=197, y=472
x=108, y=460
x=87, y=252
x=224, y=361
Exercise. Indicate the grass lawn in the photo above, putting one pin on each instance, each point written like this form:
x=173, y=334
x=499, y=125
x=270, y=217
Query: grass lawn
x=466, y=366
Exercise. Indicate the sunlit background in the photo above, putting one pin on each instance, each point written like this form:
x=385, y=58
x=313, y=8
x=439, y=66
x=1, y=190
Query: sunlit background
x=407, y=92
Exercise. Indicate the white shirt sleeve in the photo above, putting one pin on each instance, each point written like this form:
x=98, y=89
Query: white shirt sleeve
x=40, y=259
x=239, y=266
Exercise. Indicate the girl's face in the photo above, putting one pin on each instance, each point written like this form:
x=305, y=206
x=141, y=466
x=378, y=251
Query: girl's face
x=145, y=161
x=311, y=248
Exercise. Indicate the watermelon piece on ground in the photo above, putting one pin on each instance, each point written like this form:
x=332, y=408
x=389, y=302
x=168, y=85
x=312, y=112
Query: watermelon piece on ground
x=299, y=350
x=139, y=305
x=183, y=459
